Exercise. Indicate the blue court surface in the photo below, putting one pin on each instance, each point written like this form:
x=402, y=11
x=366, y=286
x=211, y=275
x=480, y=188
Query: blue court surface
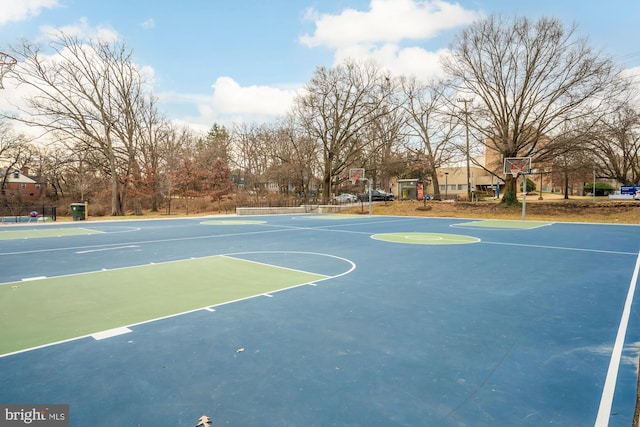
x=397, y=321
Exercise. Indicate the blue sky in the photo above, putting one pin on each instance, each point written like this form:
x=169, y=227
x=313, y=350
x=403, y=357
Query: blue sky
x=219, y=61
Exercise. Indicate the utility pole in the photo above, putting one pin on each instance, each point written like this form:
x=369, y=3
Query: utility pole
x=466, y=124
x=446, y=185
x=541, y=172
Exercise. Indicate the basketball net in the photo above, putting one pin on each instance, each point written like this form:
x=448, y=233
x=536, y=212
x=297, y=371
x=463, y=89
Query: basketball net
x=516, y=168
x=355, y=177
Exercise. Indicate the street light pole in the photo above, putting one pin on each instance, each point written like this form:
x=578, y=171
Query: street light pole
x=540, y=198
x=446, y=185
x=466, y=124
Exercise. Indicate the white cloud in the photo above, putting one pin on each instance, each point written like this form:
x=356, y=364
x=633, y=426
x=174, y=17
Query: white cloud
x=390, y=33
x=15, y=98
x=230, y=97
x=410, y=61
x=83, y=30
x=20, y=10
x=352, y=34
x=230, y=103
x=632, y=73
x=386, y=21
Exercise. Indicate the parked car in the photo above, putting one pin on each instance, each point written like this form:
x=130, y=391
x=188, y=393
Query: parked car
x=376, y=196
x=345, y=198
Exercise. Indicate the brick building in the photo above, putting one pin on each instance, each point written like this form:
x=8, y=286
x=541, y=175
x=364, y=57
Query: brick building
x=18, y=184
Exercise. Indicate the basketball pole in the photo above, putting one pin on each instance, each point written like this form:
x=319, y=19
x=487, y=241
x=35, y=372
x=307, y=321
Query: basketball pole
x=524, y=195
x=369, y=186
x=357, y=174
x=369, y=191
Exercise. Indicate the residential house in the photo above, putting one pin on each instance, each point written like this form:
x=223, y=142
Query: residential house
x=17, y=183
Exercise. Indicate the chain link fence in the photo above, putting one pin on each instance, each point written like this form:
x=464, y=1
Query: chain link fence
x=27, y=213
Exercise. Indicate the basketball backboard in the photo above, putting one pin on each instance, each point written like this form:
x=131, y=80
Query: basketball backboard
x=517, y=166
x=356, y=174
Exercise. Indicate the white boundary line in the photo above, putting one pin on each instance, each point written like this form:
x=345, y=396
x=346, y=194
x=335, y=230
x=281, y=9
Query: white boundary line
x=142, y=242
x=236, y=255
x=211, y=308
x=113, y=248
x=561, y=248
x=467, y=225
x=110, y=333
x=228, y=255
x=606, y=402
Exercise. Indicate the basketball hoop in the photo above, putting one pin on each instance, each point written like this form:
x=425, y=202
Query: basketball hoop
x=355, y=175
x=517, y=166
x=7, y=64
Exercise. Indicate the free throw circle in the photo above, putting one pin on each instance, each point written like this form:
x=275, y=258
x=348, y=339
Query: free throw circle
x=426, y=238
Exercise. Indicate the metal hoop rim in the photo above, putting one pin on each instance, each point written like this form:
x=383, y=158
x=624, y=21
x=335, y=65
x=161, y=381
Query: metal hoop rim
x=6, y=59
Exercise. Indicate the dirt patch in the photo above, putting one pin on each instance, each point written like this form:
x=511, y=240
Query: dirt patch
x=599, y=211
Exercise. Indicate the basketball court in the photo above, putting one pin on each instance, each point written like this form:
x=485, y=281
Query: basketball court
x=320, y=320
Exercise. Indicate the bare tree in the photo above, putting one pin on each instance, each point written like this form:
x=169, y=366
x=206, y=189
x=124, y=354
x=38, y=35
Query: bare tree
x=337, y=109
x=154, y=133
x=15, y=153
x=51, y=162
x=91, y=94
x=85, y=171
x=384, y=136
x=431, y=128
x=251, y=159
x=295, y=158
x=526, y=78
x=172, y=145
x=615, y=143
x=573, y=159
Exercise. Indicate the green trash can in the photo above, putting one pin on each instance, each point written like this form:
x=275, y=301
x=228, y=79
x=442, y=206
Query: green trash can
x=78, y=211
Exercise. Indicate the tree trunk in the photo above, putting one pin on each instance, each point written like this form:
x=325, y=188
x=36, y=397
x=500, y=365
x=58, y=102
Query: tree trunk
x=116, y=208
x=510, y=190
x=326, y=187
x=434, y=181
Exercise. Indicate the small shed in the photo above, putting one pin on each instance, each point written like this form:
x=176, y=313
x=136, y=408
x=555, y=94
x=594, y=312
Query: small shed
x=410, y=189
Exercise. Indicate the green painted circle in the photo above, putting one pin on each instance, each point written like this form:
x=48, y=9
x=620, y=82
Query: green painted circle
x=231, y=222
x=426, y=238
